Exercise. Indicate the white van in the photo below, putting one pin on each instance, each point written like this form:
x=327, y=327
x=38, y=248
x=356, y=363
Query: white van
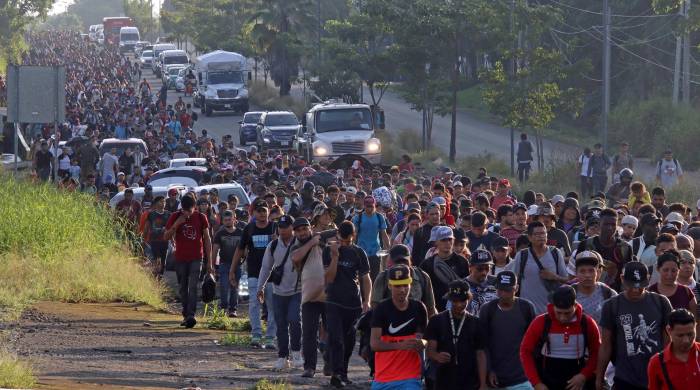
x=157, y=49
x=171, y=57
x=128, y=36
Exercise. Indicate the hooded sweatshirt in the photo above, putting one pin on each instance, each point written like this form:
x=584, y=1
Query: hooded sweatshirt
x=565, y=342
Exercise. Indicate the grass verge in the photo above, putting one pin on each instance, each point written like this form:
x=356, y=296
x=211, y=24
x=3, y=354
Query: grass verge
x=15, y=374
x=265, y=384
x=59, y=246
x=266, y=97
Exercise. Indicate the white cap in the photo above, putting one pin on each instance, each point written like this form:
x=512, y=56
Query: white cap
x=351, y=190
x=630, y=220
x=557, y=199
x=532, y=210
x=675, y=217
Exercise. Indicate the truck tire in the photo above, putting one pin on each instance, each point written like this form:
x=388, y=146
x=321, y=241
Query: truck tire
x=206, y=109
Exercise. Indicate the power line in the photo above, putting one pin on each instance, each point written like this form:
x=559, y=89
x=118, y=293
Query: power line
x=612, y=15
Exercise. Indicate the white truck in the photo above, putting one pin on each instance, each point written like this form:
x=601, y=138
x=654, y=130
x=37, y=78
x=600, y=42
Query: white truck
x=128, y=37
x=221, y=77
x=332, y=130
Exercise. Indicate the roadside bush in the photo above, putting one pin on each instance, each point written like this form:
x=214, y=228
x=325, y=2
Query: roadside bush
x=653, y=125
x=264, y=384
x=557, y=177
x=58, y=246
x=14, y=374
x=265, y=97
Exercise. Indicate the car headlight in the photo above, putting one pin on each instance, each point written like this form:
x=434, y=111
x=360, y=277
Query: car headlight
x=211, y=93
x=243, y=93
x=374, y=145
x=321, y=149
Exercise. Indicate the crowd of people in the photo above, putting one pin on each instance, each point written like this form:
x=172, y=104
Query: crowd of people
x=449, y=282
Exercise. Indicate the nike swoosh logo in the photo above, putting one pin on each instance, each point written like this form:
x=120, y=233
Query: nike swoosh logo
x=393, y=329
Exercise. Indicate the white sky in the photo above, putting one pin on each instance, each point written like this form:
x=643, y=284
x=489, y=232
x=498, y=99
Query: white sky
x=61, y=5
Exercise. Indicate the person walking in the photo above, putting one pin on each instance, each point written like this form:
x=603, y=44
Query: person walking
x=678, y=365
x=154, y=233
x=560, y=348
x=370, y=227
x=190, y=231
x=278, y=269
x=668, y=170
x=481, y=282
x=590, y=293
x=623, y=159
x=398, y=325
x=455, y=343
x=583, y=163
x=503, y=325
x=598, y=168
x=43, y=160
x=347, y=296
x=226, y=241
x=631, y=329
x=525, y=159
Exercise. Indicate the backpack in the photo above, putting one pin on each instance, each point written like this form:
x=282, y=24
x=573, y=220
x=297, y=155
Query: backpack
x=523, y=262
x=664, y=371
x=544, y=338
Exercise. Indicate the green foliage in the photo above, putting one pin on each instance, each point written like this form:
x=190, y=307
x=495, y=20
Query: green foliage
x=141, y=12
x=15, y=374
x=654, y=125
x=266, y=98
x=216, y=318
x=58, y=246
x=92, y=11
x=557, y=177
x=15, y=17
x=235, y=339
x=264, y=384
x=64, y=21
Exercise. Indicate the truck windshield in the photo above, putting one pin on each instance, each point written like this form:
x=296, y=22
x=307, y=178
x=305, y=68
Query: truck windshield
x=147, y=54
x=281, y=120
x=232, y=77
x=130, y=37
x=175, y=60
x=344, y=119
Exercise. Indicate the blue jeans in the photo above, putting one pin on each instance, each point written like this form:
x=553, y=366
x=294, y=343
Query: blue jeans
x=254, y=308
x=228, y=297
x=406, y=384
x=188, y=279
x=287, y=310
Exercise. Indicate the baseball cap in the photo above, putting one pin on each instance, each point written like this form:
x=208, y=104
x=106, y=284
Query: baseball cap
x=670, y=228
x=635, y=274
x=351, y=190
x=457, y=290
x=148, y=187
x=400, y=275
x=285, y=221
x=504, y=183
x=506, y=280
x=589, y=258
x=499, y=242
x=557, y=199
x=481, y=256
x=399, y=251
x=204, y=192
x=413, y=206
x=630, y=220
x=545, y=209
x=532, y=210
x=520, y=206
x=592, y=220
x=439, y=233
x=563, y=297
x=675, y=217
x=595, y=204
x=460, y=235
x=431, y=206
x=466, y=202
x=370, y=201
x=172, y=191
x=440, y=200
x=299, y=222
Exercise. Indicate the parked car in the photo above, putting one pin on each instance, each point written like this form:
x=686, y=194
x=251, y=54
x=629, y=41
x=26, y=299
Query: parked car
x=170, y=73
x=189, y=176
x=146, y=58
x=189, y=161
x=278, y=130
x=138, y=193
x=247, y=130
x=226, y=189
x=8, y=162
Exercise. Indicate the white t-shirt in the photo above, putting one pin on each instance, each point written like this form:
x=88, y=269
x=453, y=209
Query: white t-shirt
x=584, y=161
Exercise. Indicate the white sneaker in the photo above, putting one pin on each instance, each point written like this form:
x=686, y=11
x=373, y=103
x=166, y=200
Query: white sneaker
x=297, y=361
x=281, y=364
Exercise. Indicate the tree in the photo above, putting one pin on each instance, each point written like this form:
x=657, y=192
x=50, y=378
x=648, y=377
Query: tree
x=92, y=11
x=64, y=21
x=278, y=28
x=15, y=16
x=141, y=12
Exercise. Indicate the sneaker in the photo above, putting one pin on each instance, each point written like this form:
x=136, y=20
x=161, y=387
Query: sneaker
x=255, y=342
x=345, y=380
x=269, y=344
x=281, y=364
x=184, y=322
x=337, y=382
x=297, y=361
x=327, y=369
x=308, y=373
x=232, y=314
x=190, y=323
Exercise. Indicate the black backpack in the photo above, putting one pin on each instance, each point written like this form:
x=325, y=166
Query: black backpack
x=664, y=371
x=544, y=338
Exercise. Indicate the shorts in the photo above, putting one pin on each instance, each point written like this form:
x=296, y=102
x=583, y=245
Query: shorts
x=406, y=384
x=521, y=386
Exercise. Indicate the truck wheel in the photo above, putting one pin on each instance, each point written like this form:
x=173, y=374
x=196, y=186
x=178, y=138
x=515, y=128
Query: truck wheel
x=206, y=109
x=241, y=141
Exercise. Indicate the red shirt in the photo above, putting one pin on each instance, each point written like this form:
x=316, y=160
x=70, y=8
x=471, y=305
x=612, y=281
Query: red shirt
x=683, y=375
x=188, y=237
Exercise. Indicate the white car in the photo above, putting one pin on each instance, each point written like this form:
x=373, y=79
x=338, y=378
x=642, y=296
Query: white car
x=188, y=161
x=226, y=189
x=138, y=193
x=8, y=162
x=146, y=58
x=189, y=176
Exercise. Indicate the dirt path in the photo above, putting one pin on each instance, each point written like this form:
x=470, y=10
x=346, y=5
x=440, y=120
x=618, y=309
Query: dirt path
x=109, y=346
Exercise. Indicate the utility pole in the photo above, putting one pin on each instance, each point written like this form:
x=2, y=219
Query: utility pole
x=512, y=73
x=677, y=64
x=686, y=56
x=606, y=73
x=318, y=43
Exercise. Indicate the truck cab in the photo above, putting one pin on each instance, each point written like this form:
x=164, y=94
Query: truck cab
x=221, y=78
x=332, y=130
x=128, y=37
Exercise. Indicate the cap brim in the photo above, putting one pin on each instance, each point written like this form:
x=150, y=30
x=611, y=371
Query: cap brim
x=284, y=225
x=451, y=297
x=635, y=284
x=401, y=282
x=505, y=288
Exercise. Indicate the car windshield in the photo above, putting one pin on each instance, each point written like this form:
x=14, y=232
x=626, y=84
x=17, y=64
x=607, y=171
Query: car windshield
x=233, y=77
x=130, y=37
x=121, y=147
x=251, y=118
x=147, y=54
x=174, y=71
x=345, y=119
x=281, y=120
x=175, y=60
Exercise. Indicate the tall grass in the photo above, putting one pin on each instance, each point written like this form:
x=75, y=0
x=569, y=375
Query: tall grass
x=266, y=97
x=265, y=384
x=61, y=246
x=14, y=374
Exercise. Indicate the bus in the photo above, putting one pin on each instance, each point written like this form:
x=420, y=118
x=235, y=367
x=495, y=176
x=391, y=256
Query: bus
x=112, y=26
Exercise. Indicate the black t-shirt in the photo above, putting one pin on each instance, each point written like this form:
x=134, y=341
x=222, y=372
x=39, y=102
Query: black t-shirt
x=228, y=242
x=396, y=323
x=557, y=237
x=461, y=372
x=352, y=263
x=43, y=159
x=126, y=163
x=420, y=244
x=255, y=239
x=172, y=204
x=458, y=264
x=483, y=242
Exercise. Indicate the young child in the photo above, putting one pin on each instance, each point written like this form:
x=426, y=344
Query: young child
x=638, y=192
x=629, y=226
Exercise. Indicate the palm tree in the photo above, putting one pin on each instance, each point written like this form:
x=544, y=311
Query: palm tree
x=279, y=28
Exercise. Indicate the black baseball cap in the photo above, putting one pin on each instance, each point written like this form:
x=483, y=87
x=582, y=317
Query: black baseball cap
x=563, y=297
x=506, y=280
x=399, y=251
x=635, y=274
x=478, y=219
x=400, y=275
x=460, y=235
x=285, y=221
x=481, y=256
x=457, y=290
x=499, y=242
x=299, y=222
x=649, y=219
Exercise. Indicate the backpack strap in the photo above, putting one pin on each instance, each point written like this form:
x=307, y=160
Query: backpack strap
x=555, y=255
x=607, y=292
x=664, y=371
x=273, y=246
x=584, y=331
x=521, y=272
x=544, y=338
